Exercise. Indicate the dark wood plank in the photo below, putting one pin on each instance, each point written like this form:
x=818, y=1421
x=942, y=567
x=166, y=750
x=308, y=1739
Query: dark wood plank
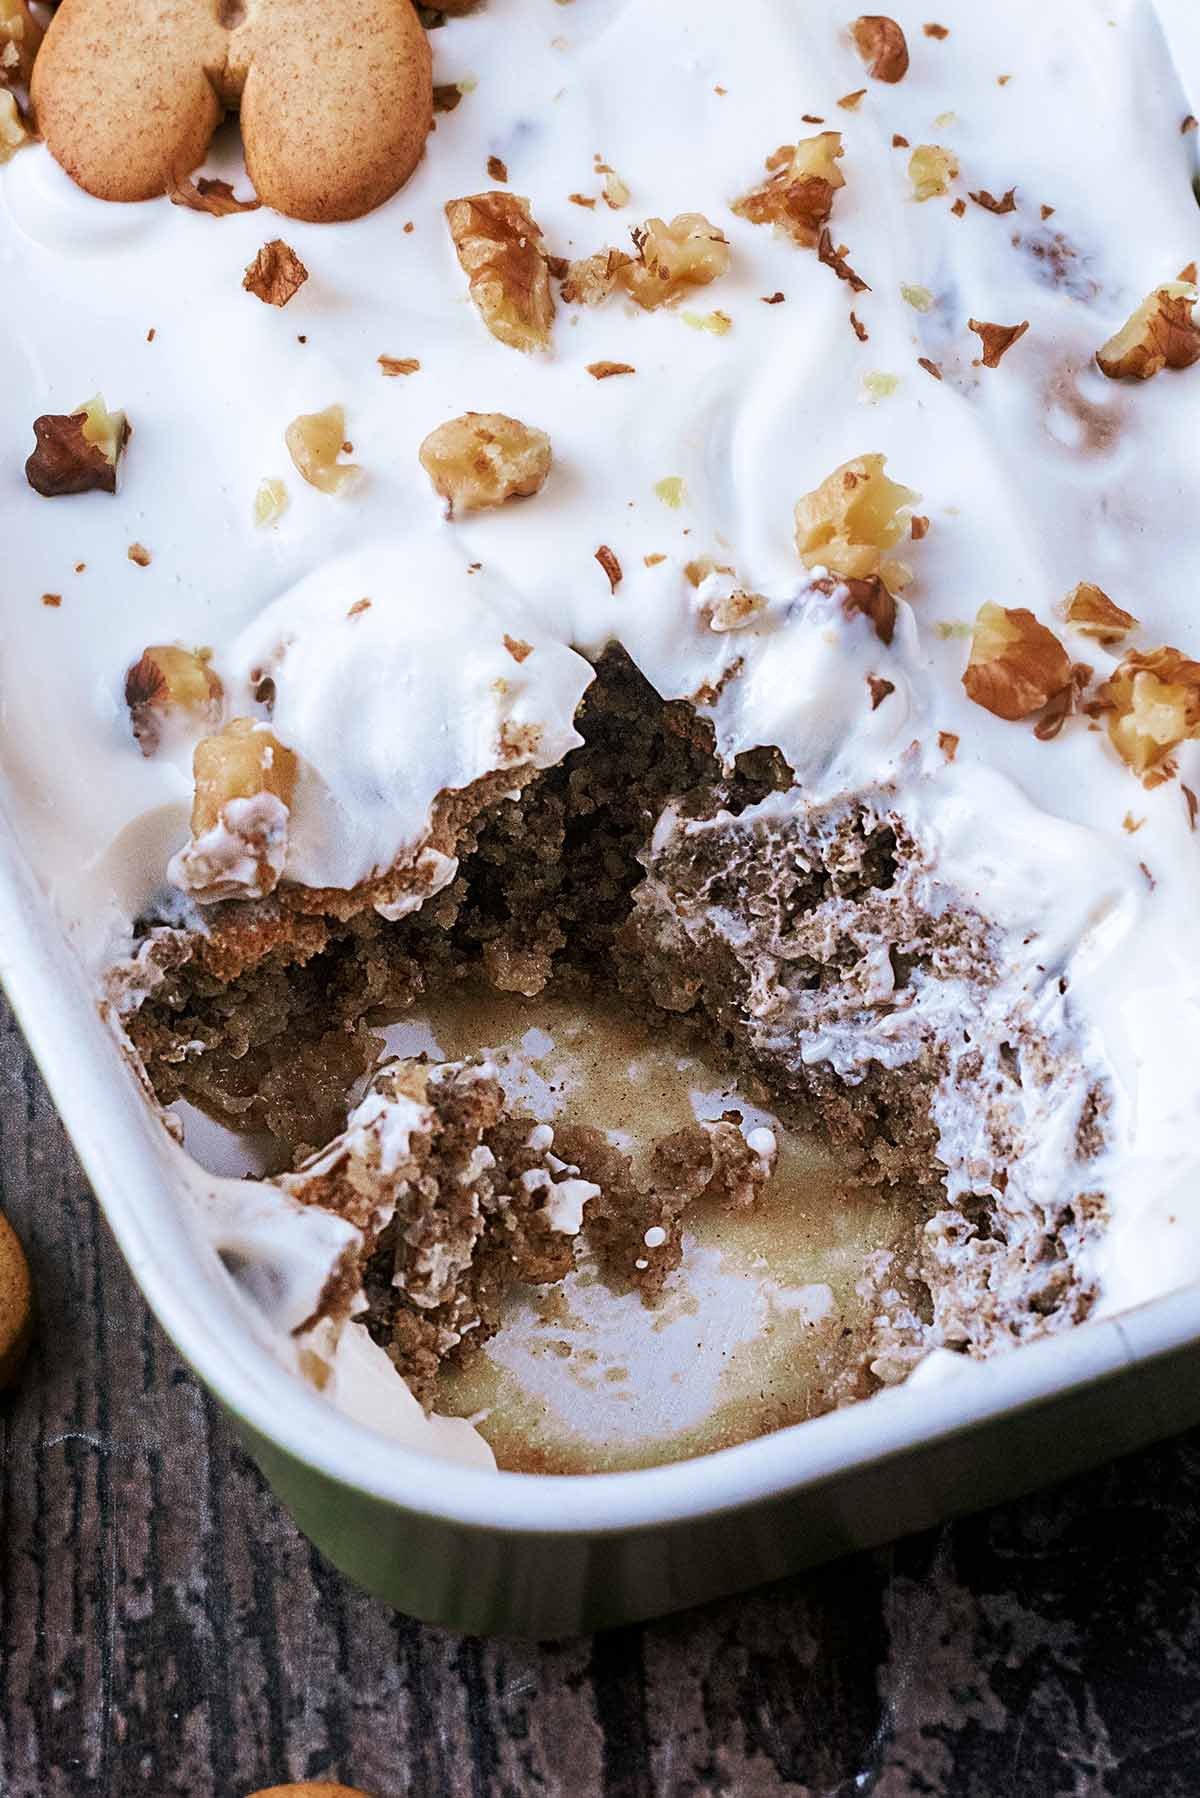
x=165, y=1630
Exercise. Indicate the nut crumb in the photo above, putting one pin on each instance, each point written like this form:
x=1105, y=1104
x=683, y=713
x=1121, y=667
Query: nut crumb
x=997, y=340
x=931, y=169
x=880, y=690
x=1006, y=203
x=276, y=275
x=930, y=367
x=517, y=648
x=859, y=329
x=603, y=371
x=52, y=599
x=850, y=102
x=167, y=680
x=497, y=171
x=358, y=608
x=137, y=552
x=653, y=560
x=948, y=744
x=270, y=503
x=483, y=459
x=918, y=527
x=610, y=565
x=392, y=366
x=1193, y=805
x=936, y=31
x=836, y=260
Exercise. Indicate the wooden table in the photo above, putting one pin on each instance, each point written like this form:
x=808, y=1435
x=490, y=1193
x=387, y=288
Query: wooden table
x=165, y=1630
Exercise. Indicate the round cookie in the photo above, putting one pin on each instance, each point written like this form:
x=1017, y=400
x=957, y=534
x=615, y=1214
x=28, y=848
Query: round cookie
x=310, y=1788
x=16, y=1305
x=335, y=111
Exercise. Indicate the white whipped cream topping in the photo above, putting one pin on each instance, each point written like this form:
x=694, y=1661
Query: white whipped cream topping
x=1035, y=475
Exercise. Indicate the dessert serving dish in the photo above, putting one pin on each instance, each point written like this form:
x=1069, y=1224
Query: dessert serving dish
x=600, y=751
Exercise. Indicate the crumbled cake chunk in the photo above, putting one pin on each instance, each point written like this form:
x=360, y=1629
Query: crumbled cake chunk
x=482, y=459
x=499, y=248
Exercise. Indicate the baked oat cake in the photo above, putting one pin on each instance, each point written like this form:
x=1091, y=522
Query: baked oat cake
x=709, y=558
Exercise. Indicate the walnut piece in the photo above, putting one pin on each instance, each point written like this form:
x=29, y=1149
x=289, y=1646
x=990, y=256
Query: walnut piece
x=276, y=275
x=1093, y=614
x=931, y=169
x=212, y=195
x=1016, y=665
x=315, y=441
x=77, y=452
x=671, y=259
x=482, y=459
x=20, y=36
x=1163, y=333
x=996, y=339
x=867, y=597
x=500, y=251
x=168, y=681
x=244, y=782
x=849, y=521
x=882, y=46
x=592, y=279
x=1151, y=704
x=12, y=127
x=797, y=198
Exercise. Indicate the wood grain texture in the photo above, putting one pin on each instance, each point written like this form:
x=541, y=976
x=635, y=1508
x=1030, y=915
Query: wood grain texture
x=165, y=1630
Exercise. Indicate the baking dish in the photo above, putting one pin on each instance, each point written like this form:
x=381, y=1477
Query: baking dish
x=542, y=1555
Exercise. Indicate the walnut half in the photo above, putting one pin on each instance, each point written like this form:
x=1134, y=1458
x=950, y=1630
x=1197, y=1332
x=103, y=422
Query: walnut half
x=482, y=459
x=244, y=783
x=848, y=523
x=77, y=452
x=12, y=127
x=166, y=682
x=797, y=197
x=500, y=251
x=1163, y=333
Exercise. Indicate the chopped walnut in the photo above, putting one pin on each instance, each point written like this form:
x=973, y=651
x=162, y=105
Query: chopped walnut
x=1006, y=203
x=482, y=459
x=836, y=260
x=207, y=194
x=996, y=339
x=931, y=169
x=137, y=552
x=865, y=597
x=882, y=45
x=168, y=681
x=1016, y=665
x=798, y=196
x=77, y=452
x=592, y=279
x=394, y=366
x=671, y=259
x=270, y=503
x=1094, y=614
x=734, y=611
x=616, y=193
x=20, y=36
x=276, y=275
x=315, y=441
x=245, y=780
x=499, y=250
x=603, y=371
x=1151, y=704
x=849, y=521
x=1162, y=333
x=12, y=127
x=608, y=560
